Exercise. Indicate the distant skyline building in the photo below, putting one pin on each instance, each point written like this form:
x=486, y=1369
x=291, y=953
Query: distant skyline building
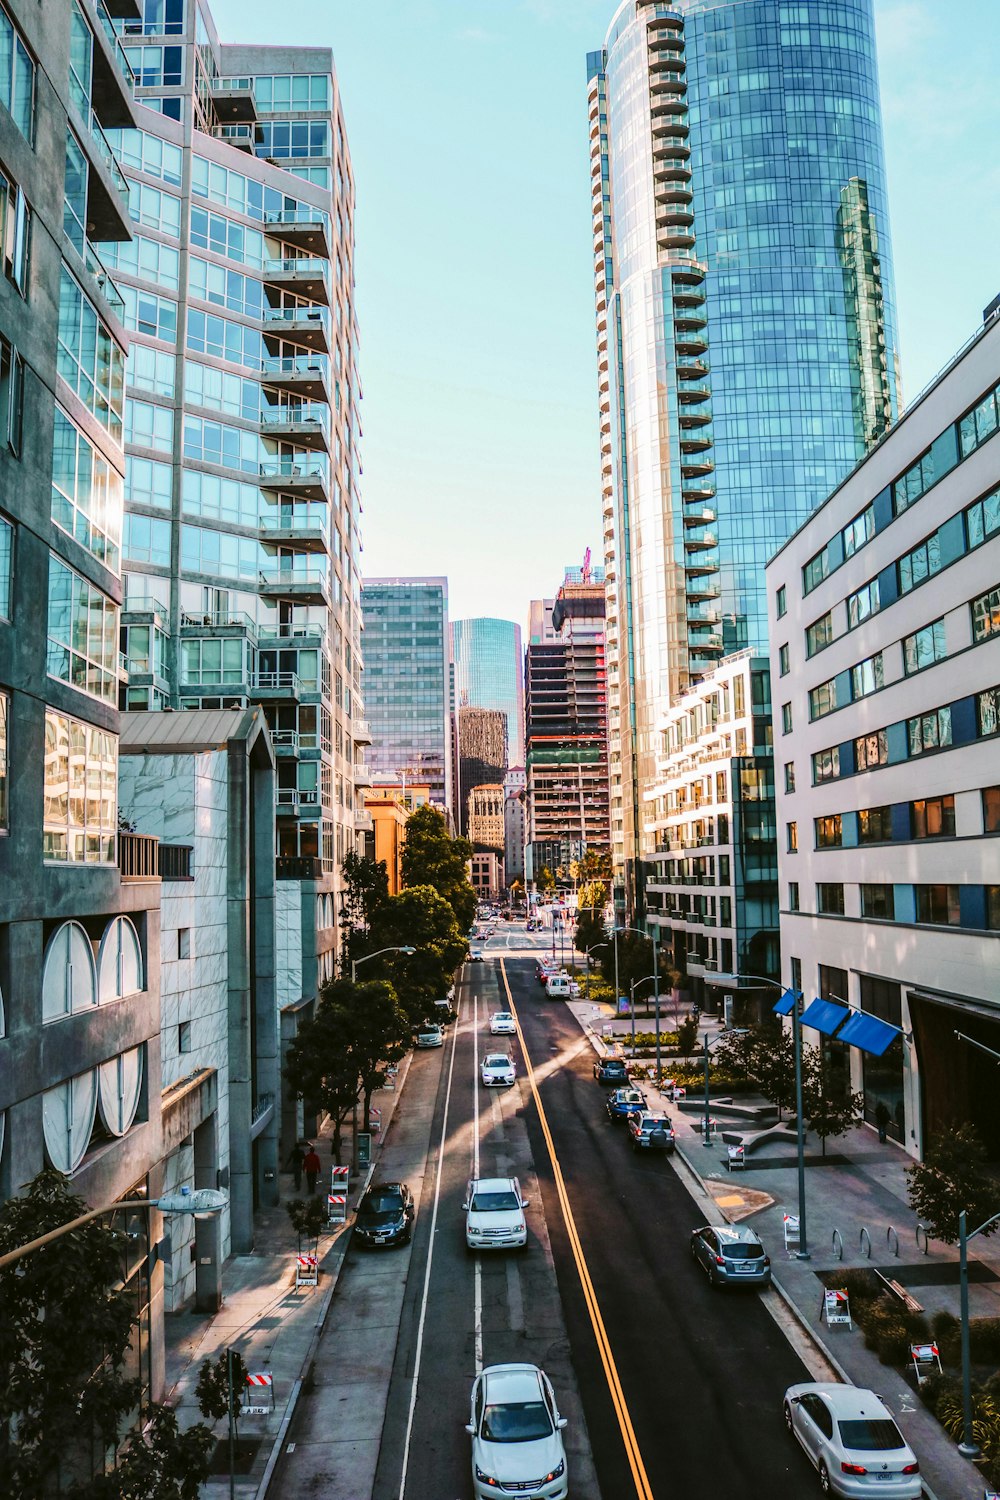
x=406, y=680
x=746, y=329
x=488, y=675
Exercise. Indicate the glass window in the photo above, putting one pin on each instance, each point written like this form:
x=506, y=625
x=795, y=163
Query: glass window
x=149, y=426
x=878, y=901
x=220, y=499
x=17, y=77
x=226, y=288
x=819, y=633
x=938, y=905
x=792, y=832
x=147, y=540
x=978, y=424
x=223, y=339
x=914, y=483
x=204, y=385
x=826, y=765
x=875, y=825
x=790, y=776
x=815, y=570
x=783, y=661
x=860, y=531
x=992, y=907
x=933, y=818
x=867, y=676
x=863, y=603
x=991, y=809
x=793, y=895
x=156, y=67
x=75, y=194
x=149, y=206
x=82, y=634
x=823, y=699
x=81, y=61
x=922, y=563
x=988, y=711
x=147, y=482
x=929, y=731
x=218, y=443
x=871, y=750
x=147, y=313
x=147, y=260
x=786, y=718
x=924, y=647
x=225, y=237
x=782, y=601
x=829, y=832
x=81, y=791
x=982, y=519
x=4, y=764
x=986, y=614
x=15, y=229
x=87, y=493
x=89, y=359
x=147, y=153
x=6, y=566
x=830, y=899
x=150, y=369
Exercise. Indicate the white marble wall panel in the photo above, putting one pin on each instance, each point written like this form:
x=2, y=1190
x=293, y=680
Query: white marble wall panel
x=288, y=941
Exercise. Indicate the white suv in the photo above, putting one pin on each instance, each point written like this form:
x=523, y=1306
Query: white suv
x=494, y=1214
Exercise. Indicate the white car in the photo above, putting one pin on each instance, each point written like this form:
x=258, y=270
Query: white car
x=494, y=1214
x=516, y=1435
x=850, y=1436
x=497, y=1070
x=475, y=955
x=502, y=1023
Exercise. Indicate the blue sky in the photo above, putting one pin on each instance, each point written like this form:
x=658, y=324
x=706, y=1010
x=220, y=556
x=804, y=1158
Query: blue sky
x=468, y=132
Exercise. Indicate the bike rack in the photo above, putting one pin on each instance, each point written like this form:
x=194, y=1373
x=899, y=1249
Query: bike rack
x=924, y=1245
x=892, y=1241
x=863, y=1238
x=838, y=1244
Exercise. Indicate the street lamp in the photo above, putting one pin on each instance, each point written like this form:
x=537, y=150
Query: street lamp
x=631, y=1006
x=800, y=1139
x=377, y=954
x=201, y=1202
x=396, y=948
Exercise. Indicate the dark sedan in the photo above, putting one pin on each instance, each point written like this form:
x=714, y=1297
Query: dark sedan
x=385, y=1215
x=624, y=1102
x=611, y=1070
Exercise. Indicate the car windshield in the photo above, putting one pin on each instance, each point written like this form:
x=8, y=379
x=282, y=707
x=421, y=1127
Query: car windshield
x=428, y=1031
x=871, y=1434
x=498, y=1062
x=743, y=1251
x=650, y=1122
x=503, y=1015
x=493, y=1203
x=381, y=1205
x=516, y=1422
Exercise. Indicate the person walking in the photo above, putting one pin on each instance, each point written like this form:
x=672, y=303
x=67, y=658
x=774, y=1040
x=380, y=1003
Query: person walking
x=295, y=1160
x=311, y=1165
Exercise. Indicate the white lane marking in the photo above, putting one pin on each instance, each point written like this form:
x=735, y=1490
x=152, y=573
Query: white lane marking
x=477, y=1270
x=427, y=1272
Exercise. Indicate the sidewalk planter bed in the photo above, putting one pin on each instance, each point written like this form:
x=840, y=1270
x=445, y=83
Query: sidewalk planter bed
x=888, y=1328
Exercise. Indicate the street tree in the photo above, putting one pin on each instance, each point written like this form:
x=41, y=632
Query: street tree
x=595, y=864
x=635, y=961
x=953, y=1177
x=366, y=887
x=764, y=1056
x=214, y=1378
x=385, y=1034
x=830, y=1108
x=322, y=1066
x=545, y=880
x=308, y=1218
x=432, y=857
x=422, y=919
x=590, y=930
x=66, y=1326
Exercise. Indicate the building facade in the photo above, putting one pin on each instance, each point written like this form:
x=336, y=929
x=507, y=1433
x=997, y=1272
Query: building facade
x=488, y=675
x=567, y=730
x=406, y=680
x=885, y=663
x=515, y=785
x=241, y=534
x=712, y=885
x=486, y=817
x=746, y=328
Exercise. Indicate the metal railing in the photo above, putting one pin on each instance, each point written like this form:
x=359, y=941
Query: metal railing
x=287, y=468
x=294, y=265
x=296, y=364
x=289, y=577
x=105, y=282
x=138, y=857
x=302, y=519
x=114, y=42
x=297, y=867
x=313, y=414
x=107, y=155
x=220, y=618
x=271, y=682
x=304, y=314
x=175, y=862
x=296, y=216
x=232, y=83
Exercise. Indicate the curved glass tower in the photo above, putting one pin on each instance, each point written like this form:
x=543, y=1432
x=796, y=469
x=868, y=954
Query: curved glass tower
x=746, y=324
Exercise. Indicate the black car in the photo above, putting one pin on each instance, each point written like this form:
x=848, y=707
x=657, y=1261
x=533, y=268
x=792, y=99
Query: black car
x=385, y=1215
x=611, y=1070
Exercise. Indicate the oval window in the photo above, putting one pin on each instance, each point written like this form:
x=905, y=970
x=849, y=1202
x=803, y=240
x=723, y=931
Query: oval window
x=120, y=1083
x=68, y=1119
x=69, y=982
x=119, y=965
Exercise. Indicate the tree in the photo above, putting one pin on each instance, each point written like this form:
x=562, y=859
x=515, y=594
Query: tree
x=635, y=960
x=322, y=1065
x=432, y=857
x=829, y=1109
x=65, y=1332
x=308, y=1216
x=590, y=930
x=763, y=1055
x=593, y=897
x=420, y=918
x=596, y=865
x=953, y=1177
x=212, y=1389
x=545, y=880
x=384, y=1037
x=366, y=887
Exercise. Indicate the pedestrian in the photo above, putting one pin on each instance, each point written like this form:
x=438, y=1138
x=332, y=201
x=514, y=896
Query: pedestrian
x=295, y=1160
x=311, y=1165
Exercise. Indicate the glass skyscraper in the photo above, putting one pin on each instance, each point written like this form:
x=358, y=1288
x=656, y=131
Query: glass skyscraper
x=746, y=325
x=489, y=674
x=406, y=681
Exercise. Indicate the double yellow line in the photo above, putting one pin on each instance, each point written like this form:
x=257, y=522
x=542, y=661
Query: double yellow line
x=641, y=1479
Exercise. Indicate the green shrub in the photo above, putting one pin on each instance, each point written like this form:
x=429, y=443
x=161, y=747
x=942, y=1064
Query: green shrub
x=946, y=1331
x=935, y=1387
x=984, y=1339
x=893, y=1344
x=860, y=1285
x=985, y=1420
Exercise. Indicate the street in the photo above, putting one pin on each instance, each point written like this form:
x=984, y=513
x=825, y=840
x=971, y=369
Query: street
x=670, y=1387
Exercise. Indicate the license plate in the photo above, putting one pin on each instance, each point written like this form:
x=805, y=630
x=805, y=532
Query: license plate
x=380, y=1239
x=886, y=1476
x=746, y=1265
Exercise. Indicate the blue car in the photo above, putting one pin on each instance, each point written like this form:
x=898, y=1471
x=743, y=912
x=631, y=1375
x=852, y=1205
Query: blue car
x=624, y=1102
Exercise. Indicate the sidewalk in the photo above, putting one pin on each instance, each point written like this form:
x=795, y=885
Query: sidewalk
x=274, y=1327
x=861, y=1185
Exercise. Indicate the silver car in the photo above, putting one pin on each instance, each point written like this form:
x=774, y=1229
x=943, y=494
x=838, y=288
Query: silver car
x=850, y=1436
x=731, y=1255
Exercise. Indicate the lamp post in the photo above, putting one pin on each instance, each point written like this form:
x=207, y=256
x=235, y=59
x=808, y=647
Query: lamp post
x=592, y=949
x=800, y=1139
x=631, y=1006
x=377, y=954
x=201, y=1202
x=395, y=948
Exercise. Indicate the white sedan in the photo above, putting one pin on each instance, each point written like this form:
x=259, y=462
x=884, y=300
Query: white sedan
x=850, y=1436
x=502, y=1023
x=516, y=1432
x=498, y=1070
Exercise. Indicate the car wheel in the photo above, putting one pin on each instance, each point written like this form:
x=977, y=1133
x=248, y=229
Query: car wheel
x=788, y=1419
x=824, y=1480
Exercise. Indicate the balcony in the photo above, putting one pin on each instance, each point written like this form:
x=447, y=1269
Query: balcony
x=231, y=621
x=362, y=775
x=305, y=274
x=692, y=369
x=698, y=518
x=301, y=585
x=361, y=732
x=299, y=476
x=699, y=541
x=701, y=443
x=103, y=282
x=297, y=867
x=138, y=858
x=112, y=79
x=307, y=423
x=242, y=137
x=233, y=100
x=297, y=802
x=706, y=586
x=286, y=743
x=279, y=685
x=175, y=861
x=306, y=375
x=307, y=325
x=304, y=226
x=304, y=525
x=107, y=190
x=692, y=392
x=695, y=416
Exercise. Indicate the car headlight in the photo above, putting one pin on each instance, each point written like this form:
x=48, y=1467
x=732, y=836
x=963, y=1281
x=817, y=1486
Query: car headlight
x=485, y=1478
x=519, y=1228
x=556, y=1473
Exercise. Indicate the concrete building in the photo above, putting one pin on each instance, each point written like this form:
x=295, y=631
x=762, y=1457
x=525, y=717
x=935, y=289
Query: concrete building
x=482, y=755
x=389, y=810
x=540, y=626
x=406, y=681
x=202, y=785
x=486, y=817
x=486, y=874
x=885, y=665
x=712, y=886
x=745, y=330
x=515, y=825
x=80, y=1071
x=567, y=729
x=241, y=539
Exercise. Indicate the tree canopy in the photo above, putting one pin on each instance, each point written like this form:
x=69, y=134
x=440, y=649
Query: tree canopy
x=953, y=1177
x=366, y=887
x=432, y=857
x=423, y=919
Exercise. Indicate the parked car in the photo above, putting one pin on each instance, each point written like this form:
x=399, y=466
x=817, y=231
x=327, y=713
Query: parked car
x=430, y=1035
x=624, y=1102
x=494, y=1214
x=731, y=1255
x=385, y=1215
x=475, y=955
x=497, y=1070
x=850, y=1436
x=544, y=968
x=651, y=1132
x=611, y=1070
x=445, y=1010
x=557, y=987
x=502, y=1023
x=516, y=1431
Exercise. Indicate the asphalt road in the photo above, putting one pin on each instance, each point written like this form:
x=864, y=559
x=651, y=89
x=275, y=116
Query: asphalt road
x=702, y=1371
